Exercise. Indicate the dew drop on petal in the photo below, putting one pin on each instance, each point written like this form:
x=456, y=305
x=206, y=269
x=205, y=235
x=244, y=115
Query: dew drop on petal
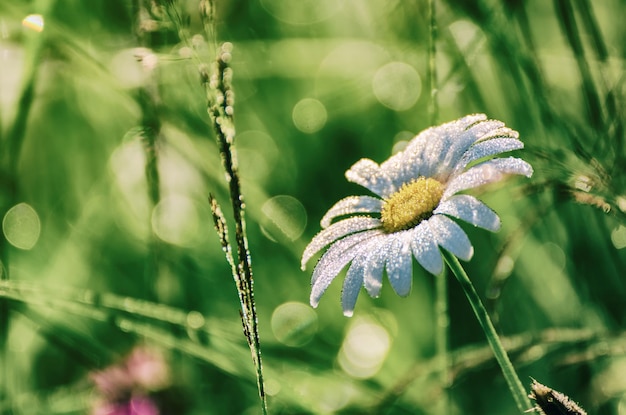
x=21, y=226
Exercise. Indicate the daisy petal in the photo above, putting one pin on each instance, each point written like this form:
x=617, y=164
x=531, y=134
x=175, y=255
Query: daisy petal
x=478, y=131
x=400, y=264
x=436, y=151
x=368, y=174
x=470, y=210
x=374, y=265
x=425, y=249
x=337, y=231
x=462, y=133
x=512, y=165
x=352, y=285
x=454, y=128
x=501, y=132
x=333, y=261
x=451, y=237
x=400, y=168
x=330, y=262
x=488, y=148
x=457, y=145
x=469, y=120
x=352, y=204
x=488, y=172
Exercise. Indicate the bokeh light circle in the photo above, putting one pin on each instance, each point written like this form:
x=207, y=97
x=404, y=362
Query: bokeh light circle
x=176, y=219
x=126, y=68
x=309, y=115
x=301, y=12
x=21, y=226
x=256, y=153
x=294, y=324
x=618, y=237
x=34, y=22
x=195, y=320
x=286, y=218
x=364, y=349
x=397, y=85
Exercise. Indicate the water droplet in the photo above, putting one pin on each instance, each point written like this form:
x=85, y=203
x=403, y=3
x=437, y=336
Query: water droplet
x=21, y=226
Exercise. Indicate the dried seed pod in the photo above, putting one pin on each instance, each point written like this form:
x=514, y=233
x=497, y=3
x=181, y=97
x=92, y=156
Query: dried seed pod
x=551, y=402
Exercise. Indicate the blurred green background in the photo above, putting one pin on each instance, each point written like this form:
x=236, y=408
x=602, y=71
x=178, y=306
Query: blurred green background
x=96, y=260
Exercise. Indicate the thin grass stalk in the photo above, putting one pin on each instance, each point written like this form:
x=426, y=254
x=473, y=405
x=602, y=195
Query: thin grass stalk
x=433, y=107
x=462, y=67
x=222, y=232
x=221, y=101
x=4, y=322
x=510, y=375
x=442, y=337
x=147, y=97
x=10, y=151
x=207, y=14
x=221, y=110
x=532, y=65
x=33, y=45
x=614, y=111
x=569, y=27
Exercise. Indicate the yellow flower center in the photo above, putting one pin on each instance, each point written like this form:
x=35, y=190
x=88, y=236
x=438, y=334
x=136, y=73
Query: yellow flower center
x=411, y=204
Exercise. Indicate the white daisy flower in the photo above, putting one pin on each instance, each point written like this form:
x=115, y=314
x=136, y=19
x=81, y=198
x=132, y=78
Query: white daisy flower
x=417, y=194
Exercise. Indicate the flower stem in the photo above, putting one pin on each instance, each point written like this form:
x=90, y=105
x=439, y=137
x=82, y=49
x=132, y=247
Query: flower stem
x=433, y=107
x=441, y=336
x=511, y=377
